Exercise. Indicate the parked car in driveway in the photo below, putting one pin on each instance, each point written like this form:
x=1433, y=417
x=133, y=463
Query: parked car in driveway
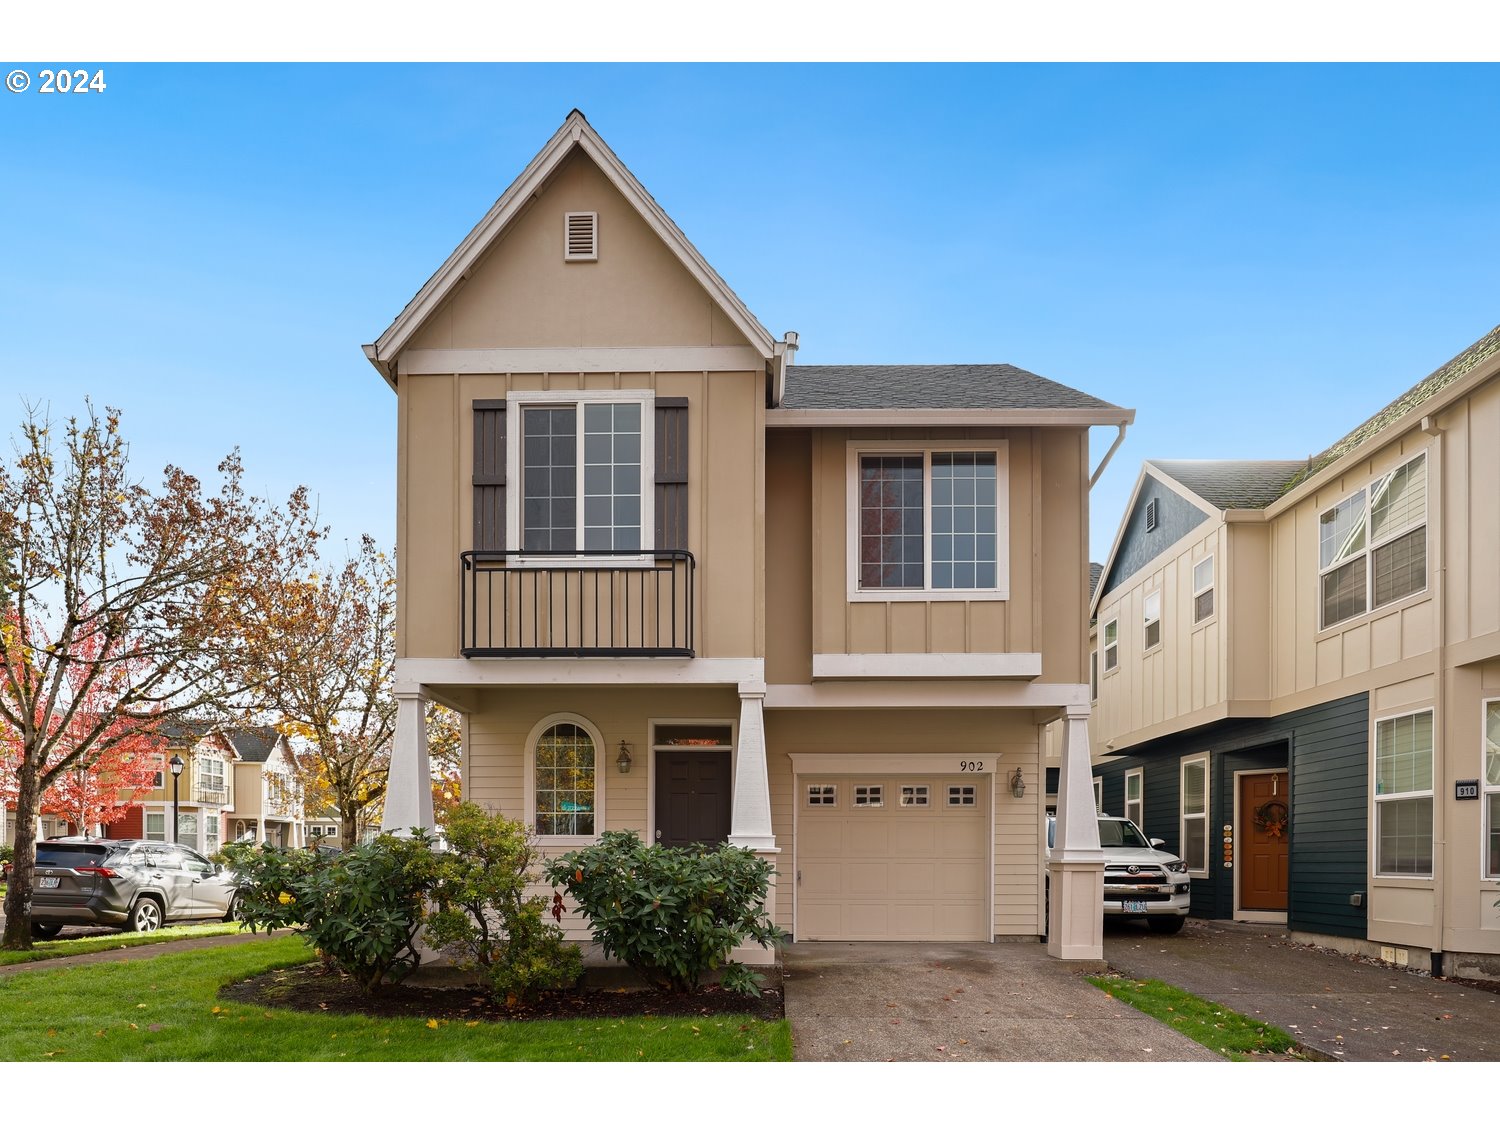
x=1140, y=880
x=137, y=885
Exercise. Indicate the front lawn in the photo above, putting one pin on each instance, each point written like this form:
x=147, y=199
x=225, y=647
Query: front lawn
x=1235, y=1036
x=167, y=1008
x=71, y=947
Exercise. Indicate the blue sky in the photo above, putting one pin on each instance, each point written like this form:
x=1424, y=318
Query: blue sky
x=1255, y=258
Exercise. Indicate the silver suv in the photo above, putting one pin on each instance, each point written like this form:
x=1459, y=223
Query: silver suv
x=1140, y=880
x=134, y=884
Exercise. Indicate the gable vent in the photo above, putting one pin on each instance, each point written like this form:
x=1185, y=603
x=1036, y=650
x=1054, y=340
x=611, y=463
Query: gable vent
x=581, y=236
x=1151, y=515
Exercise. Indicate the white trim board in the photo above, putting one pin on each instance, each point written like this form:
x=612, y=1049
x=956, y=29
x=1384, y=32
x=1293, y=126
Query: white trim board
x=864, y=695
x=412, y=673
x=502, y=361
x=926, y=665
x=853, y=416
x=940, y=763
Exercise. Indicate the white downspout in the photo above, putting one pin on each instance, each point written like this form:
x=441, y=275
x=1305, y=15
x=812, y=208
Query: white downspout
x=1099, y=472
x=1440, y=692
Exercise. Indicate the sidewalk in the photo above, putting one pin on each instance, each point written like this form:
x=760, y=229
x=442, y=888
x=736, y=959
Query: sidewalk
x=1342, y=1006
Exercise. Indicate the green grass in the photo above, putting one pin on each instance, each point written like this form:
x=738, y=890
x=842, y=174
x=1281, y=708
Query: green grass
x=71, y=947
x=1218, y=1028
x=167, y=1008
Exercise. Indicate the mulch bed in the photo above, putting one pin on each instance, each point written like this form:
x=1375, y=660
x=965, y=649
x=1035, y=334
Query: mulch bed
x=314, y=988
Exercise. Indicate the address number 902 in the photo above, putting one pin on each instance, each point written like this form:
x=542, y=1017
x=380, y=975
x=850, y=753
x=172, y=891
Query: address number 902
x=971, y=767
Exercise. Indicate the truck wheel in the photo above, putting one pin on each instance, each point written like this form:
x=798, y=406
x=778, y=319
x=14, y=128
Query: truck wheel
x=1165, y=923
x=145, y=916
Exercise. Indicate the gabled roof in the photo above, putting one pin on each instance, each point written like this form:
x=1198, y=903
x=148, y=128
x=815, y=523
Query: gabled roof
x=1404, y=404
x=253, y=744
x=1232, y=484
x=905, y=386
x=575, y=133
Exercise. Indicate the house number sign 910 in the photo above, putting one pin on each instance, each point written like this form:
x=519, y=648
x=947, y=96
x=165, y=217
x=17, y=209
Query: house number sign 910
x=971, y=766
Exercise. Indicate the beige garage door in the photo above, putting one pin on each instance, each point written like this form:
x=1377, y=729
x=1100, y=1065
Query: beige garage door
x=885, y=858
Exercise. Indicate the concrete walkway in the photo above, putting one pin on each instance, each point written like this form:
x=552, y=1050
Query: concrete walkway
x=934, y=1001
x=1347, y=1007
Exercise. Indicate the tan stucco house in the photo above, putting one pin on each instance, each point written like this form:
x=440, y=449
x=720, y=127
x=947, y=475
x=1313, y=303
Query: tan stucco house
x=677, y=584
x=1298, y=677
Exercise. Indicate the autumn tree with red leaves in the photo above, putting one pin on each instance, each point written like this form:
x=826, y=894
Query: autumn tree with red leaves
x=119, y=604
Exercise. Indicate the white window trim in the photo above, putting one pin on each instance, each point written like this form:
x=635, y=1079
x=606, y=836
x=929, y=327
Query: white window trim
x=1139, y=802
x=1198, y=591
x=515, y=403
x=1147, y=620
x=925, y=449
x=1370, y=547
x=1183, y=816
x=529, y=779
x=1485, y=789
x=1105, y=646
x=145, y=825
x=1377, y=798
x=1098, y=795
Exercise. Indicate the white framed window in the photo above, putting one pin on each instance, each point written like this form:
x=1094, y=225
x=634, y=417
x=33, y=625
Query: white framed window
x=211, y=824
x=822, y=796
x=1203, y=589
x=1135, y=797
x=962, y=796
x=928, y=522
x=1098, y=794
x=583, y=466
x=914, y=797
x=1403, y=795
x=1151, y=620
x=209, y=772
x=1490, y=784
x=187, y=829
x=1193, y=813
x=565, y=799
x=1111, y=634
x=156, y=826
x=1372, y=545
x=869, y=796
x=331, y=831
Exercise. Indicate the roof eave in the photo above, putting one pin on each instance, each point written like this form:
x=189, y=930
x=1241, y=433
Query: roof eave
x=855, y=417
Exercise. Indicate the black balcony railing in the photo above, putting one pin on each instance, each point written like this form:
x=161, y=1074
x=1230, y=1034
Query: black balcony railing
x=593, y=603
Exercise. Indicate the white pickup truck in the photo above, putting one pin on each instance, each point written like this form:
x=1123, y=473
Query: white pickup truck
x=1140, y=880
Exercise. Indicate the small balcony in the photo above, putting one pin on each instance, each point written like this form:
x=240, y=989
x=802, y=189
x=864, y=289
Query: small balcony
x=592, y=603
x=207, y=793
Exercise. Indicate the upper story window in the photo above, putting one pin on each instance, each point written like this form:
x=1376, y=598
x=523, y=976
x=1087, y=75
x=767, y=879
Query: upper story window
x=210, y=771
x=1372, y=545
x=1111, y=645
x=1151, y=620
x=927, y=523
x=1203, y=590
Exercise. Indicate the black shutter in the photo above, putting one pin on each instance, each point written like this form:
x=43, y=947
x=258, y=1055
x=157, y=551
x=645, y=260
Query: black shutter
x=489, y=474
x=671, y=474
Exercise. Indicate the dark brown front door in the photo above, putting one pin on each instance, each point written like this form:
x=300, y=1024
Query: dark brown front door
x=692, y=797
x=1264, y=831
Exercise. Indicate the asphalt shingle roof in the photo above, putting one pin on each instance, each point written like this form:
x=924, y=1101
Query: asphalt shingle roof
x=254, y=744
x=1096, y=571
x=901, y=386
x=1233, y=484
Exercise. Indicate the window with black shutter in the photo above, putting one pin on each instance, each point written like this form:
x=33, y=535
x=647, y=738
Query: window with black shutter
x=489, y=474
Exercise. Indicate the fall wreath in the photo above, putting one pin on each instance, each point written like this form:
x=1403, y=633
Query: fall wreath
x=1271, y=818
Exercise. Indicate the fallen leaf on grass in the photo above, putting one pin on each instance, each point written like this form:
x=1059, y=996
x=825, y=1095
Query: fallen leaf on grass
x=432, y=1024
x=471, y=1023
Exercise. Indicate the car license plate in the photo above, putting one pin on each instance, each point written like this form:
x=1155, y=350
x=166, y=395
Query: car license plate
x=49, y=882
x=1135, y=906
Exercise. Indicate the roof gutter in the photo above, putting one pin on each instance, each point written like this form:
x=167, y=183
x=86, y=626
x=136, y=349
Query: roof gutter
x=387, y=372
x=1099, y=472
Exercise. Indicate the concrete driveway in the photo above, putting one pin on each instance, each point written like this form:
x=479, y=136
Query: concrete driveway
x=1008, y=1001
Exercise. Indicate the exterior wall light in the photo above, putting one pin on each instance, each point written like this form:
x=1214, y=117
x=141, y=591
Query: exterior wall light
x=1017, y=784
x=623, y=761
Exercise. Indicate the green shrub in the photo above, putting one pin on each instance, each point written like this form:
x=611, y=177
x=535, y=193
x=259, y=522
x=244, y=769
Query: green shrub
x=362, y=908
x=483, y=916
x=671, y=914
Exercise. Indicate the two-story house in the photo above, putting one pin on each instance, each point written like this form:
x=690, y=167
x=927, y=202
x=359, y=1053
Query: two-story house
x=267, y=790
x=204, y=791
x=675, y=583
x=1298, y=677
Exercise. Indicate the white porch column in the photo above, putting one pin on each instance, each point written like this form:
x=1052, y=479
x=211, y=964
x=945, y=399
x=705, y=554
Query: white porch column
x=750, y=821
x=1075, y=923
x=408, y=788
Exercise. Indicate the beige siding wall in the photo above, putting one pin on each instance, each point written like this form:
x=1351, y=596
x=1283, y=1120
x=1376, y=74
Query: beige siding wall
x=789, y=555
x=435, y=512
x=1471, y=518
x=247, y=790
x=1011, y=735
x=1472, y=912
x=1048, y=513
x=1185, y=676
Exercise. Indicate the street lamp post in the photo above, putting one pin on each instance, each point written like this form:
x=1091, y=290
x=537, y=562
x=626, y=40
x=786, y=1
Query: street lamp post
x=176, y=765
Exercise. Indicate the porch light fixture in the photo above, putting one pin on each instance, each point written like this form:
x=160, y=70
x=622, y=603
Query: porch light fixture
x=1017, y=784
x=623, y=761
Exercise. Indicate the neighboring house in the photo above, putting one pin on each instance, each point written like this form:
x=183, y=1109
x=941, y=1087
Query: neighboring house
x=1299, y=677
x=205, y=792
x=328, y=829
x=677, y=585
x=268, y=794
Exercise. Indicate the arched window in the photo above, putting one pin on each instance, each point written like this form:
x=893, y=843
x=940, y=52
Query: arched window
x=564, y=768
